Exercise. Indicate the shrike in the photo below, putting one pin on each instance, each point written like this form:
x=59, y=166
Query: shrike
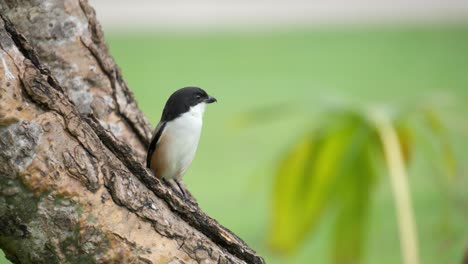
x=176, y=137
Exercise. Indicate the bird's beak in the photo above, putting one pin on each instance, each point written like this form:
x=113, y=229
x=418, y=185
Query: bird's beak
x=210, y=100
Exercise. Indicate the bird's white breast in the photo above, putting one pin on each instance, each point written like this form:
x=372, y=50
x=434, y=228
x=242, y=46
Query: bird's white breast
x=183, y=133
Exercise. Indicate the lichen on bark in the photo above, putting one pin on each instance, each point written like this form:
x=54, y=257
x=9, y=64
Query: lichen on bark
x=18, y=142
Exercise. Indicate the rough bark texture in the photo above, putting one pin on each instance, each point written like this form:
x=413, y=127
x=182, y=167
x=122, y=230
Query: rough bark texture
x=69, y=40
x=70, y=190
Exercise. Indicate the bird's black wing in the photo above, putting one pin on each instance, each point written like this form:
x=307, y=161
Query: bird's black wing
x=154, y=142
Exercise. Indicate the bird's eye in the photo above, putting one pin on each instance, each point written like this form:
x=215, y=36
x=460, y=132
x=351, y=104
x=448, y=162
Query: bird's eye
x=198, y=97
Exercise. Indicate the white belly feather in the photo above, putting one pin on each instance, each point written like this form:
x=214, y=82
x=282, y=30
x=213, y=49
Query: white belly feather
x=184, y=135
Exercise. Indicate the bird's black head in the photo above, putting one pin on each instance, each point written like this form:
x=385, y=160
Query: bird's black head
x=181, y=101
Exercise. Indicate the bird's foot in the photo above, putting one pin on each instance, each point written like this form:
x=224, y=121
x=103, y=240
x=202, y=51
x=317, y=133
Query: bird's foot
x=179, y=188
x=185, y=195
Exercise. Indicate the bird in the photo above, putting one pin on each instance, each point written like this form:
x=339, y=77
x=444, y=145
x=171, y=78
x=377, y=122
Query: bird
x=175, y=139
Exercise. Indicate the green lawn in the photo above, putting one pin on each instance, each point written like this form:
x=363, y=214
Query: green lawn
x=231, y=175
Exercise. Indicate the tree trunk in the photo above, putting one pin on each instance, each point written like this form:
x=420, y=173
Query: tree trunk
x=72, y=140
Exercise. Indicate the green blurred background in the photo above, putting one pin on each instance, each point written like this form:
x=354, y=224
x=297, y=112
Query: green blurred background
x=232, y=174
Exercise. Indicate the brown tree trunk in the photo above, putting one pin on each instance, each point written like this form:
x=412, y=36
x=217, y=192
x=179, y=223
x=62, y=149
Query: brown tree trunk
x=72, y=185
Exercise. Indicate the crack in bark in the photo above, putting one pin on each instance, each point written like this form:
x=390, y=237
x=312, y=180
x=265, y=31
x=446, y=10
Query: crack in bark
x=28, y=51
x=111, y=75
x=98, y=49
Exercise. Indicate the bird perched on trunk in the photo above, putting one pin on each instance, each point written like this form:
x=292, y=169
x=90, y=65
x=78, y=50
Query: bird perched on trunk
x=176, y=137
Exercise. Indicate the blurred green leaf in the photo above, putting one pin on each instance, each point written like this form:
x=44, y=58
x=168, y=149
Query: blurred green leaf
x=322, y=174
x=285, y=206
x=306, y=179
x=439, y=131
x=353, y=205
x=405, y=138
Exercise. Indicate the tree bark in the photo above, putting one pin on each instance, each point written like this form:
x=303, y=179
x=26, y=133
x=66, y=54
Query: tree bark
x=72, y=140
